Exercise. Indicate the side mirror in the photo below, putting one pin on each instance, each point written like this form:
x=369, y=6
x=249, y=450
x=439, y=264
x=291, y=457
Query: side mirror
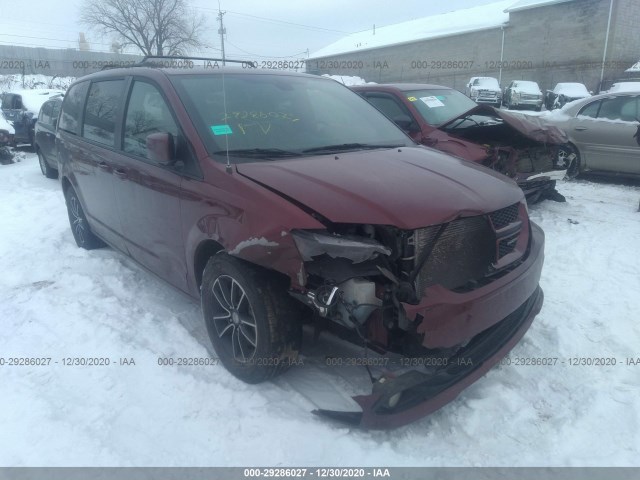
x=405, y=122
x=161, y=148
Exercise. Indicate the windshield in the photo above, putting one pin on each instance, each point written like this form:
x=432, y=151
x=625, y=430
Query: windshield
x=270, y=116
x=438, y=106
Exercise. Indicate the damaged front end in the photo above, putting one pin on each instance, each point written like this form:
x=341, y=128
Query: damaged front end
x=463, y=292
x=527, y=149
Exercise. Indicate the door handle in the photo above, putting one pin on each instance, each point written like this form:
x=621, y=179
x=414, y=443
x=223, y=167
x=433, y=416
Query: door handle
x=118, y=172
x=103, y=165
x=580, y=129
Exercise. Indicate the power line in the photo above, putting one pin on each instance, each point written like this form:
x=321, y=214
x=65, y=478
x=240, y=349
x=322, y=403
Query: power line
x=273, y=20
x=264, y=56
x=53, y=39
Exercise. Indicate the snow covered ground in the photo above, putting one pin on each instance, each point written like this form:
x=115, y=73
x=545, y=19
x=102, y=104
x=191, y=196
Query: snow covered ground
x=59, y=301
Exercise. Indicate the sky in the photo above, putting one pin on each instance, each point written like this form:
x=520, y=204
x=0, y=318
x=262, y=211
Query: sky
x=256, y=29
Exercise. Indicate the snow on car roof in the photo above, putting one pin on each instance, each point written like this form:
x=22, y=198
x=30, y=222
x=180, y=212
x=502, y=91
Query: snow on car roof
x=452, y=23
x=527, y=86
x=625, y=87
x=347, y=80
x=33, y=99
x=527, y=4
x=634, y=68
x=572, y=89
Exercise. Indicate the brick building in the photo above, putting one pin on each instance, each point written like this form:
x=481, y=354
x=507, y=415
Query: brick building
x=548, y=41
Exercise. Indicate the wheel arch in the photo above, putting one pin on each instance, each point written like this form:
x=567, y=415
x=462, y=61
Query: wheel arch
x=204, y=251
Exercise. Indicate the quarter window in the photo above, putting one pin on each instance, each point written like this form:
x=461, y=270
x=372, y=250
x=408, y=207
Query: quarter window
x=101, y=111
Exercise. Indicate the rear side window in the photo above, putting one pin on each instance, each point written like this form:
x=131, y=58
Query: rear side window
x=72, y=108
x=101, y=112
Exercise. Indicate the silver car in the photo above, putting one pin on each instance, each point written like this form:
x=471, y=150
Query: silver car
x=605, y=132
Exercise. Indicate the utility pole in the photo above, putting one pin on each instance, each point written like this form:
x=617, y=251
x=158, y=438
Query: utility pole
x=221, y=31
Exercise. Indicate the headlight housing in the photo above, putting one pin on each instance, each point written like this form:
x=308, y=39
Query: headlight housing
x=313, y=243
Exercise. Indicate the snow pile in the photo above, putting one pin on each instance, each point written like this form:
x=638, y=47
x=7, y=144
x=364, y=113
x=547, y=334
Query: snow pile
x=9, y=83
x=4, y=125
x=347, y=80
x=625, y=87
x=452, y=23
x=58, y=301
x=572, y=90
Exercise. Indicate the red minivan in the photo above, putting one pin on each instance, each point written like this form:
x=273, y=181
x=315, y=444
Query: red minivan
x=279, y=199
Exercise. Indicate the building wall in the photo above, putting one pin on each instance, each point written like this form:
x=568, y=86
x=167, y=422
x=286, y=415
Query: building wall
x=550, y=44
x=67, y=62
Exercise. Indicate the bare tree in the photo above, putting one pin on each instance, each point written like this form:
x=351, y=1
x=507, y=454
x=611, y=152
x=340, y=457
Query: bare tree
x=156, y=27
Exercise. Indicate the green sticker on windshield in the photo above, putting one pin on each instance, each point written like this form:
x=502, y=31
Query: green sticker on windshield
x=221, y=129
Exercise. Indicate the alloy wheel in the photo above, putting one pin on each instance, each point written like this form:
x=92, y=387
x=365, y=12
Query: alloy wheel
x=77, y=220
x=234, y=319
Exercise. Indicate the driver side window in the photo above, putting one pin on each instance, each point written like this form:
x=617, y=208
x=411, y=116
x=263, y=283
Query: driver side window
x=147, y=113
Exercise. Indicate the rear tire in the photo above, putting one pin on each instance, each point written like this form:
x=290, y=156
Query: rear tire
x=253, y=324
x=82, y=233
x=46, y=170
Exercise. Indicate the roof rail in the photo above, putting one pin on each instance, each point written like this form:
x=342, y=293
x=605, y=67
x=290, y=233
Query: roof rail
x=148, y=61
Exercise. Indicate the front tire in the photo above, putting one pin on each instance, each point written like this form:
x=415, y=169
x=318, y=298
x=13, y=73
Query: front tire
x=46, y=170
x=82, y=233
x=253, y=324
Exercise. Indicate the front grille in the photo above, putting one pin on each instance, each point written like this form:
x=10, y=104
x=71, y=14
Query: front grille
x=467, y=250
x=529, y=97
x=504, y=217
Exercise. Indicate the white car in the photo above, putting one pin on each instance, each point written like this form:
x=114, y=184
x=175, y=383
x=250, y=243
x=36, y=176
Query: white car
x=485, y=90
x=523, y=94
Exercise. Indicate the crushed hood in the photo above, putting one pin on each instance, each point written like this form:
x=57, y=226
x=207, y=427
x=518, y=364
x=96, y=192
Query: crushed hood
x=532, y=127
x=408, y=187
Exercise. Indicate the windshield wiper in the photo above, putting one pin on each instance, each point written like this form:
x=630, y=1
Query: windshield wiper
x=342, y=147
x=259, y=153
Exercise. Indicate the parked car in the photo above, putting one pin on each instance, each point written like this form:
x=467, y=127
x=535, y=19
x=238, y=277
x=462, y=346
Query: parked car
x=523, y=94
x=275, y=197
x=624, y=87
x=485, y=90
x=525, y=148
x=45, y=137
x=564, y=93
x=6, y=140
x=21, y=108
x=604, y=130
